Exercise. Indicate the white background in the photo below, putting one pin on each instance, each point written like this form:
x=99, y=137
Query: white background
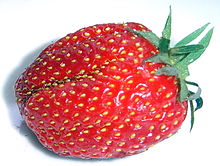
x=27, y=26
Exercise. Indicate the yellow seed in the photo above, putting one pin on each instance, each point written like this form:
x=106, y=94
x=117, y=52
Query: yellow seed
x=86, y=59
x=140, y=55
x=44, y=114
x=130, y=54
x=68, y=134
x=151, y=127
x=81, y=139
x=87, y=34
x=98, y=137
x=107, y=28
x=162, y=126
x=62, y=128
x=73, y=129
x=57, y=103
x=132, y=135
x=127, y=120
x=158, y=116
x=175, y=122
x=136, y=61
x=56, y=115
x=113, y=67
x=92, y=108
x=117, y=134
x=142, y=138
x=140, y=49
x=86, y=131
x=108, y=103
x=51, y=137
x=79, y=51
x=132, y=113
x=32, y=117
x=130, y=82
x=157, y=137
x=108, y=142
x=121, y=126
x=102, y=48
x=103, y=130
x=166, y=105
x=105, y=113
x=121, y=143
x=98, y=31
x=151, y=80
x=96, y=88
x=152, y=109
x=125, y=70
x=86, y=119
x=122, y=97
x=137, y=126
x=108, y=124
x=65, y=121
x=111, y=85
x=111, y=40
x=168, y=95
x=137, y=44
x=117, y=77
x=80, y=104
x=74, y=37
x=76, y=114
x=118, y=150
x=83, y=95
x=123, y=52
x=95, y=98
x=85, y=85
x=90, y=126
x=136, y=146
x=123, y=41
x=170, y=114
x=71, y=143
x=97, y=121
x=115, y=118
x=114, y=50
x=136, y=100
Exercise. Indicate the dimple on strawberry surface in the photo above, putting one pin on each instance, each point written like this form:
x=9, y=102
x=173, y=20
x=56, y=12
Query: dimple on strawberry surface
x=97, y=93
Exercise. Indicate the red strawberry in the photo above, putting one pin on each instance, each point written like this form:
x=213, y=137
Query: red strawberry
x=109, y=90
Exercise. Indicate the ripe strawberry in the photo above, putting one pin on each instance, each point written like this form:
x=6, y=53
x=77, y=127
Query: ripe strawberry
x=109, y=90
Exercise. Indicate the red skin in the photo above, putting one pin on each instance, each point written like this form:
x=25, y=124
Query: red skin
x=109, y=105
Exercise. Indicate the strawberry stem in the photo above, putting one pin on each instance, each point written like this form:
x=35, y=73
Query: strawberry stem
x=178, y=58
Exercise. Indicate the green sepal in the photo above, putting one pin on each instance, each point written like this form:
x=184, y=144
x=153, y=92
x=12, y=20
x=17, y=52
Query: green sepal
x=184, y=50
x=171, y=71
x=183, y=94
x=159, y=58
x=192, y=36
x=199, y=103
x=190, y=58
x=166, y=33
x=192, y=114
x=177, y=60
x=164, y=45
x=192, y=95
x=150, y=36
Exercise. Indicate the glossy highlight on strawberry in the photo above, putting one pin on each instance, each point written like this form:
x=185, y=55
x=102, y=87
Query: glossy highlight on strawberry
x=90, y=95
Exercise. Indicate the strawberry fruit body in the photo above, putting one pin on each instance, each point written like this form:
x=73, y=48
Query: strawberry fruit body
x=90, y=95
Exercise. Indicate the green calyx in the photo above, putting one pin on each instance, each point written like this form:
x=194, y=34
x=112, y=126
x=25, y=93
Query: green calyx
x=178, y=58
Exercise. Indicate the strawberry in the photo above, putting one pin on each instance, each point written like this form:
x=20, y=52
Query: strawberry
x=110, y=90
